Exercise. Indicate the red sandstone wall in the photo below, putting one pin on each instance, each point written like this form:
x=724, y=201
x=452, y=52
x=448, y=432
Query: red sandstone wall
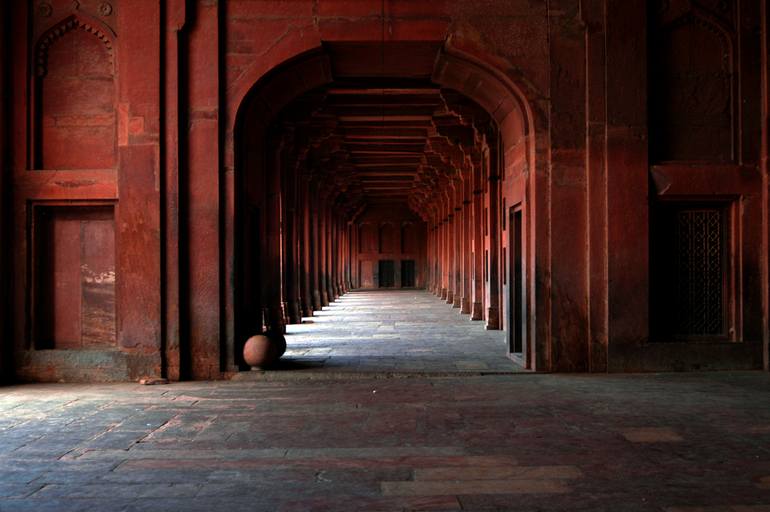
x=385, y=234
x=147, y=132
x=5, y=245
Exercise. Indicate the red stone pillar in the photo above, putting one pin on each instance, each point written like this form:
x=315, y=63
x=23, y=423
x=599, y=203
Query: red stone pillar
x=448, y=263
x=434, y=265
x=175, y=21
x=764, y=167
x=322, y=248
x=450, y=248
x=444, y=247
x=342, y=255
x=315, y=239
x=329, y=252
x=627, y=172
x=467, y=245
x=436, y=242
x=335, y=256
x=477, y=306
x=273, y=275
x=434, y=253
x=441, y=250
x=290, y=237
x=493, y=250
x=354, y=280
x=348, y=261
x=5, y=166
x=457, y=284
x=596, y=211
x=431, y=259
x=339, y=255
x=137, y=223
x=343, y=258
x=349, y=255
x=330, y=255
x=306, y=247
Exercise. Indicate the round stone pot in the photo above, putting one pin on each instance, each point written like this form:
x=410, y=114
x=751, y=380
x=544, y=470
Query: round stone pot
x=264, y=350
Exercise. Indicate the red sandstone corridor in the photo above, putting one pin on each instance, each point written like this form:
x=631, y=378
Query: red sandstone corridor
x=587, y=177
x=519, y=251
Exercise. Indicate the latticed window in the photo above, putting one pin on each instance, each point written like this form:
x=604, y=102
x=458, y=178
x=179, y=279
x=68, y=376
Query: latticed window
x=688, y=271
x=700, y=272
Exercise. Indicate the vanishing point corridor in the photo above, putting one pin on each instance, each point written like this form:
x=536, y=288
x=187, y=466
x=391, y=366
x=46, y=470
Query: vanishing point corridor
x=394, y=331
x=385, y=255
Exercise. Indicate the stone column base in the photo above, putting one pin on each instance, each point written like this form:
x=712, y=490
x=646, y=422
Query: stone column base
x=317, y=300
x=493, y=320
x=295, y=314
x=443, y=294
x=477, y=312
x=465, y=305
x=450, y=296
x=324, y=298
x=458, y=301
x=307, y=308
x=275, y=321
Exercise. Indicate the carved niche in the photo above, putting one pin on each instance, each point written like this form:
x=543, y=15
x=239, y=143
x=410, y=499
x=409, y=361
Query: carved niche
x=74, y=95
x=691, y=89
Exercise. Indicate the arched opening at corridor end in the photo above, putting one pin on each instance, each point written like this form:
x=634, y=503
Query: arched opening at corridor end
x=373, y=175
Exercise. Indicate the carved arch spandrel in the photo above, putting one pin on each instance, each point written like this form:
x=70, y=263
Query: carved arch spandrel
x=60, y=29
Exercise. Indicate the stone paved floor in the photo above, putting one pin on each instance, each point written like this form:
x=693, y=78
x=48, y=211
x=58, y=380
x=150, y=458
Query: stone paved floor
x=675, y=443
x=394, y=331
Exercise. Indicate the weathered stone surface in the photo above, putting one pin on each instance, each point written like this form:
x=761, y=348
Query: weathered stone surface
x=532, y=442
x=399, y=332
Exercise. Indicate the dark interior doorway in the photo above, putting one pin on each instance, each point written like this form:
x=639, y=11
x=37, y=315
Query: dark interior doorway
x=515, y=311
x=407, y=274
x=387, y=274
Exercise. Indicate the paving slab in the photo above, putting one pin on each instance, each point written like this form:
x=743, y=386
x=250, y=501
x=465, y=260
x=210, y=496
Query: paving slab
x=678, y=442
x=387, y=332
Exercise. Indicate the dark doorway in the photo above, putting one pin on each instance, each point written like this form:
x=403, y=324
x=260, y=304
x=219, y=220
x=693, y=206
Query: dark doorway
x=515, y=286
x=407, y=273
x=387, y=274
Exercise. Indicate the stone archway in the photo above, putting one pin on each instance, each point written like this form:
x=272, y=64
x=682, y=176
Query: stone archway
x=254, y=189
